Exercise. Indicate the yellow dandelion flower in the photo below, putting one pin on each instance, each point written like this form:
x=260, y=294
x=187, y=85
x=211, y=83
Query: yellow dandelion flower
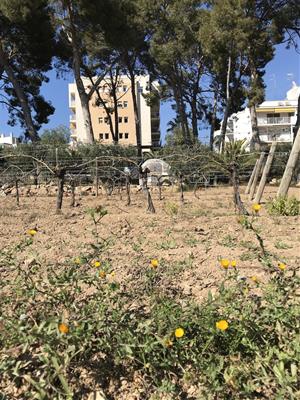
x=113, y=274
x=154, y=263
x=102, y=274
x=233, y=263
x=179, y=332
x=222, y=325
x=97, y=264
x=254, y=279
x=282, y=266
x=256, y=207
x=224, y=263
x=32, y=232
x=63, y=328
x=77, y=260
x=168, y=343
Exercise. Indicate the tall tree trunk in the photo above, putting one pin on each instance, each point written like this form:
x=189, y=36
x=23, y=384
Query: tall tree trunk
x=194, y=119
x=297, y=125
x=290, y=167
x=4, y=62
x=184, y=118
x=84, y=99
x=181, y=115
x=111, y=125
x=213, y=122
x=136, y=113
x=114, y=85
x=77, y=61
x=226, y=112
x=255, y=139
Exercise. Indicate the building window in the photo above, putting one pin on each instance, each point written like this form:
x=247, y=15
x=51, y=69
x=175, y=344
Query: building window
x=125, y=120
x=120, y=119
x=107, y=136
x=106, y=120
x=100, y=120
x=291, y=114
x=126, y=135
x=120, y=104
x=120, y=135
x=101, y=136
x=125, y=104
x=124, y=88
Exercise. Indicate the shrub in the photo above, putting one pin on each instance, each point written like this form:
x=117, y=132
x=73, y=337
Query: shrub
x=284, y=206
x=71, y=327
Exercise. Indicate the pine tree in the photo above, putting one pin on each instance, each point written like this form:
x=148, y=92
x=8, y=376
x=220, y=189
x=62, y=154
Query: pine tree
x=27, y=46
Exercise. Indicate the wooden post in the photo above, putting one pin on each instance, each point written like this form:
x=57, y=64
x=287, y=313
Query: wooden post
x=251, y=178
x=17, y=192
x=290, y=167
x=97, y=177
x=56, y=157
x=159, y=183
x=181, y=188
x=215, y=180
x=72, y=203
x=150, y=202
x=265, y=173
x=239, y=205
x=60, y=173
x=128, y=190
x=256, y=175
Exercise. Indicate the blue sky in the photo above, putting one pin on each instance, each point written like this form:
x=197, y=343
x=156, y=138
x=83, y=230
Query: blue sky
x=280, y=72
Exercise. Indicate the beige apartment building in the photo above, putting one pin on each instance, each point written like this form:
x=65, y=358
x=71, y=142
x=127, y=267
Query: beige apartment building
x=149, y=116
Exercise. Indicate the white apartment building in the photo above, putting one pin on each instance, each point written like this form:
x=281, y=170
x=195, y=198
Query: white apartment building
x=275, y=120
x=9, y=140
x=149, y=116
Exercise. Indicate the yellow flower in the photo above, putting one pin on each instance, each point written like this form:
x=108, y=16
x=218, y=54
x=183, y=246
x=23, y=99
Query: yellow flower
x=168, y=343
x=224, y=263
x=97, y=264
x=112, y=274
x=233, y=263
x=256, y=207
x=222, y=325
x=63, y=328
x=154, y=263
x=254, y=279
x=282, y=266
x=31, y=232
x=77, y=260
x=102, y=274
x=179, y=332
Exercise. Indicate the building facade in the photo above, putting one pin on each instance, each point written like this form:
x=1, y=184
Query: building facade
x=9, y=140
x=275, y=120
x=149, y=116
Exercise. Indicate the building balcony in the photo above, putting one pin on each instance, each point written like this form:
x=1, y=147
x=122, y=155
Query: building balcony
x=72, y=118
x=274, y=121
